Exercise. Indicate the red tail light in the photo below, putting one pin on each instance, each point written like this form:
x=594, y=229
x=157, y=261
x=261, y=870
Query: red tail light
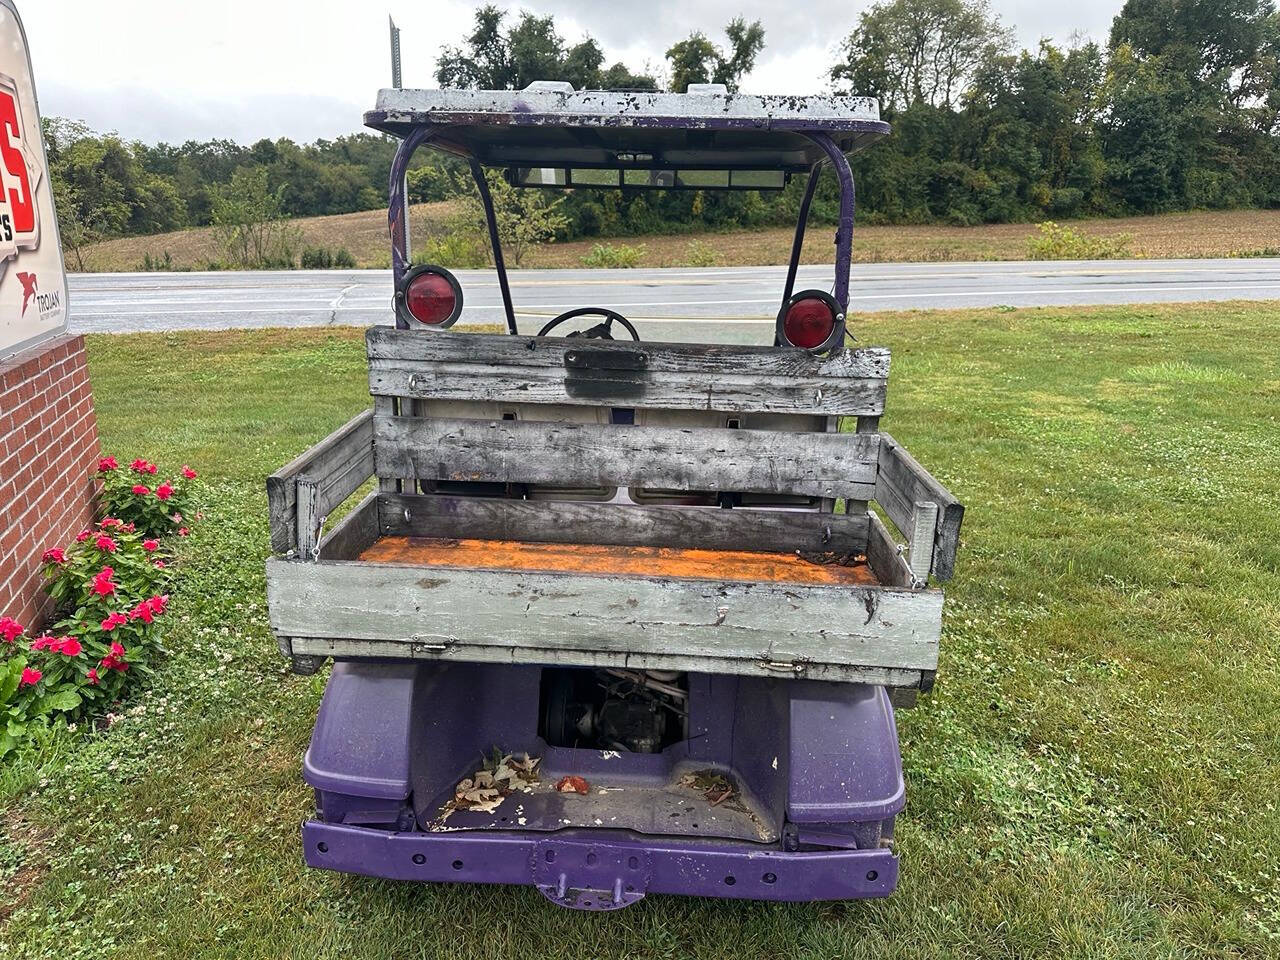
x=429, y=295
x=811, y=320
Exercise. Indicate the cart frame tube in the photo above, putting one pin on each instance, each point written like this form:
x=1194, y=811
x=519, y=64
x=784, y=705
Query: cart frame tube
x=398, y=216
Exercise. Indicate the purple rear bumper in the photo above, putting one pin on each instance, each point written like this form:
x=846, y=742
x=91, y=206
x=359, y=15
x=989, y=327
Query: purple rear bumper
x=590, y=872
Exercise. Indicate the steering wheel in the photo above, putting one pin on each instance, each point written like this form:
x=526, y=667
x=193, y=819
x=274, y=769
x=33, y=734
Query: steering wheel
x=601, y=331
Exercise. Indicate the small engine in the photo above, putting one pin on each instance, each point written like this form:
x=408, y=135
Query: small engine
x=634, y=710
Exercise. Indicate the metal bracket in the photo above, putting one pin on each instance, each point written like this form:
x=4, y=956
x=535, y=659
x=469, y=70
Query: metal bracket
x=924, y=525
x=587, y=876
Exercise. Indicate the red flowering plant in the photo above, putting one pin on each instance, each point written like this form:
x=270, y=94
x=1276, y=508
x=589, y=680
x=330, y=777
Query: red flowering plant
x=141, y=495
x=109, y=590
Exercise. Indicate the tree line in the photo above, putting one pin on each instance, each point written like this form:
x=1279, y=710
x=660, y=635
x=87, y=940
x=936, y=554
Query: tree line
x=1178, y=109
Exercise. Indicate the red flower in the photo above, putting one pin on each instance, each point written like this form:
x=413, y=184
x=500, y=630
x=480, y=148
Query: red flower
x=142, y=612
x=54, y=555
x=10, y=629
x=128, y=527
x=141, y=489
x=150, y=545
x=158, y=603
x=183, y=531
x=114, y=660
x=93, y=676
x=107, y=464
x=30, y=677
x=102, y=584
x=82, y=536
x=140, y=466
x=105, y=543
x=70, y=647
x=188, y=472
x=158, y=564
x=164, y=491
x=114, y=620
x=110, y=522
x=45, y=642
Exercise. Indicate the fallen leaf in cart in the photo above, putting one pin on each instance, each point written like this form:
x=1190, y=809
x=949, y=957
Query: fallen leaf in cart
x=573, y=785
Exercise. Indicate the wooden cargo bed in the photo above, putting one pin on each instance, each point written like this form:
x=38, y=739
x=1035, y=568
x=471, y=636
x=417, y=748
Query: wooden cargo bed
x=731, y=566
x=653, y=506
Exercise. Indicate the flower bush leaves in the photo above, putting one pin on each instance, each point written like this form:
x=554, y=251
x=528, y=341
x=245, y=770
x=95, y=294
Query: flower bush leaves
x=132, y=495
x=108, y=589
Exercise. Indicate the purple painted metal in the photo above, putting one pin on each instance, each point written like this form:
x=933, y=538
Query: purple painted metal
x=594, y=870
x=817, y=766
x=398, y=207
x=844, y=232
x=491, y=219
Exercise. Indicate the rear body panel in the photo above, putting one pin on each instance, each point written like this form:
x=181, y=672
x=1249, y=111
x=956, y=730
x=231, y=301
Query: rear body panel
x=816, y=768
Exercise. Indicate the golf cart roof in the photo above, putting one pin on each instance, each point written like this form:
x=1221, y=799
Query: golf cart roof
x=549, y=124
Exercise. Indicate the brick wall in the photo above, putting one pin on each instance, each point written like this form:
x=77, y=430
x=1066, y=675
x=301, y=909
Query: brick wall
x=48, y=463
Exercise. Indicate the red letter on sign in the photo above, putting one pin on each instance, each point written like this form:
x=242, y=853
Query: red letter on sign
x=24, y=211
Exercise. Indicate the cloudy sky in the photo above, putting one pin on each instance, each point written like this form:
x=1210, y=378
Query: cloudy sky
x=245, y=69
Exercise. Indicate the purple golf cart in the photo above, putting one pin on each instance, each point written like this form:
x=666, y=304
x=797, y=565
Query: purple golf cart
x=617, y=617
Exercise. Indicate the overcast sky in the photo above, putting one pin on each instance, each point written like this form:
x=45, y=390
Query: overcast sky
x=246, y=69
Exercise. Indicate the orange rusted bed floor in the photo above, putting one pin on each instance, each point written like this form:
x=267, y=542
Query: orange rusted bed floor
x=603, y=559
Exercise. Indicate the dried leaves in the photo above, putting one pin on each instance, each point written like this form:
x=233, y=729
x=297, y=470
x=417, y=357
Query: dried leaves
x=484, y=791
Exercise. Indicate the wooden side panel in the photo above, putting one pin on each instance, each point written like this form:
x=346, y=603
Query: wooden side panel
x=338, y=465
x=356, y=532
x=468, y=367
x=546, y=521
x=575, y=619
x=902, y=483
x=589, y=455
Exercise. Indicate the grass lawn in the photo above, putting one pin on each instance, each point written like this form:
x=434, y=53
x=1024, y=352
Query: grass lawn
x=1096, y=774
x=1231, y=233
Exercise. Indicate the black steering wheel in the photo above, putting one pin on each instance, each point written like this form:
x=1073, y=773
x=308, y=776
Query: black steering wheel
x=601, y=331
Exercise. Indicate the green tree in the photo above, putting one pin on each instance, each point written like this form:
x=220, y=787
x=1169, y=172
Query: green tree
x=251, y=224
x=494, y=57
x=906, y=52
x=697, y=60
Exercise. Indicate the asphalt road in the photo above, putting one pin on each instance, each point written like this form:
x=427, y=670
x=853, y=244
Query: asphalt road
x=726, y=303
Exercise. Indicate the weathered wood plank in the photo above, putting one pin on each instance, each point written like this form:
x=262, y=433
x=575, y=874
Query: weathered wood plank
x=563, y=521
x=590, y=455
x=901, y=484
x=353, y=533
x=339, y=464
x=427, y=611
x=883, y=556
x=904, y=680
x=725, y=392
x=694, y=359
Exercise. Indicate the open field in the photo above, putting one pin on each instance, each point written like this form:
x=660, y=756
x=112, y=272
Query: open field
x=1175, y=235
x=1094, y=775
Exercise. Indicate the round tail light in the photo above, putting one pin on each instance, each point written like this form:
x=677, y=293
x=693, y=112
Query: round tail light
x=811, y=320
x=430, y=296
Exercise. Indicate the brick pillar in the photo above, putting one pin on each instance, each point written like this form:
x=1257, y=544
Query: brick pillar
x=48, y=463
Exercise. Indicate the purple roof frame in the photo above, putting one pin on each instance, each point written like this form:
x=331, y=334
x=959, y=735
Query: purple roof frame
x=819, y=129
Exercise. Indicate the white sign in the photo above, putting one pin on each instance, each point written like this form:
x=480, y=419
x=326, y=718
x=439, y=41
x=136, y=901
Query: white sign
x=33, y=281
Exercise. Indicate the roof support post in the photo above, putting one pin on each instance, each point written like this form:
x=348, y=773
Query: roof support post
x=844, y=233
x=398, y=207
x=491, y=218
x=794, y=264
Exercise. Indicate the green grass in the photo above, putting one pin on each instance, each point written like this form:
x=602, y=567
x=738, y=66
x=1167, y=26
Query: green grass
x=1096, y=774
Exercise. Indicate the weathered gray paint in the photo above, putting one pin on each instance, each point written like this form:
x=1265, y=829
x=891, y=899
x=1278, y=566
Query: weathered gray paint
x=589, y=455
x=423, y=612
x=338, y=465
x=901, y=484
x=563, y=521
